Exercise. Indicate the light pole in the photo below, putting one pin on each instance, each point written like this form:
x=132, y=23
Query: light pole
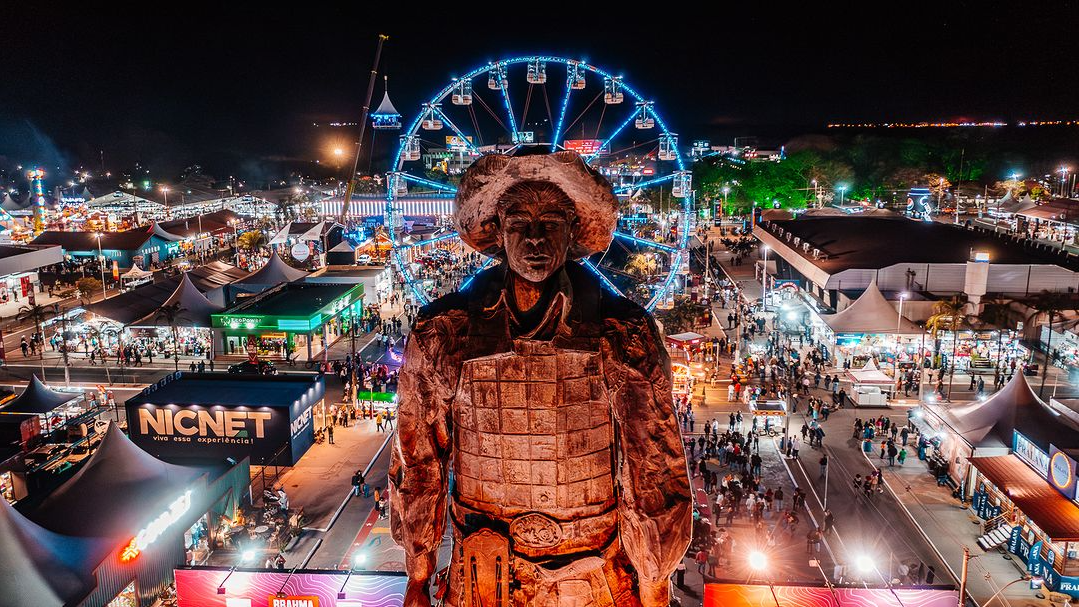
x=764, y=280
x=1063, y=182
x=898, y=328
x=165, y=191
x=101, y=263
x=842, y=191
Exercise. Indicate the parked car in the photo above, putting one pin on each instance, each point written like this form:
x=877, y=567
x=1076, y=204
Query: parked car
x=247, y=367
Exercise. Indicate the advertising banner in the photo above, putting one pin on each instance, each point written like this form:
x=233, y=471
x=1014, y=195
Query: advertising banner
x=202, y=587
x=747, y=595
x=214, y=431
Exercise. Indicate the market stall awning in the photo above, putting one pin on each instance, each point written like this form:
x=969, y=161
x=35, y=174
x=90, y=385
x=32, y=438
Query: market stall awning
x=280, y=237
x=872, y=314
x=686, y=338
x=1053, y=513
x=315, y=233
x=869, y=374
x=136, y=273
x=37, y=398
x=194, y=309
x=993, y=422
x=113, y=492
x=161, y=233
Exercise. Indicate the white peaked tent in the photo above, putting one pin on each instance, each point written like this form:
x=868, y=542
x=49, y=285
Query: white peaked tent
x=136, y=273
x=169, y=236
x=871, y=313
x=195, y=309
x=315, y=233
x=869, y=374
x=1012, y=205
x=281, y=236
x=274, y=272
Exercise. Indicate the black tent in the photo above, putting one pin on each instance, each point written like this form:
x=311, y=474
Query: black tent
x=116, y=487
x=37, y=398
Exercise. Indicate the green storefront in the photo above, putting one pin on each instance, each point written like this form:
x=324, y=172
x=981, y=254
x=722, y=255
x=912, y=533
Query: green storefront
x=302, y=319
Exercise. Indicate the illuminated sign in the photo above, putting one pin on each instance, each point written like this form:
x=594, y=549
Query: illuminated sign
x=203, y=423
x=584, y=147
x=149, y=534
x=1062, y=472
x=235, y=322
x=292, y=601
x=981, y=256
x=458, y=144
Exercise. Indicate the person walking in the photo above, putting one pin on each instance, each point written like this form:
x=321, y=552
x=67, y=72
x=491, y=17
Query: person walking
x=829, y=520
x=823, y=465
x=330, y=433
x=357, y=482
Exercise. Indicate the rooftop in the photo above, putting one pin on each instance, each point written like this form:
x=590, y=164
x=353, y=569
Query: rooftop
x=291, y=299
x=87, y=241
x=846, y=243
x=230, y=390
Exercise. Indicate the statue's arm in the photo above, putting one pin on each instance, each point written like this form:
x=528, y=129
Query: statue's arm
x=418, y=465
x=655, y=511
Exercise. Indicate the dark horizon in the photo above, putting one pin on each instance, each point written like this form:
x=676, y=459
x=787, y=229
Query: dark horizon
x=237, y=92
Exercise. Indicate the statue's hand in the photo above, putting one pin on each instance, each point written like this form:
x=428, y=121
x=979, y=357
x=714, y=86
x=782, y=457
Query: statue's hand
x=418, y=594
x=655, y=594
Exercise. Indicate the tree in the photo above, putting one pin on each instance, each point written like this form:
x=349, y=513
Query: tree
x=682, y=316
x=947, y=316
x=938, y=184
x=642, y=266
x=37, y=314
x=251, y=240
x=172, y=314
x=1053, y=305
x=996, y=313
x=87, y=286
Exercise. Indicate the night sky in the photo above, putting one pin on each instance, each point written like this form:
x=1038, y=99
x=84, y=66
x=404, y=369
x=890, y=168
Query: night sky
x=238, y=89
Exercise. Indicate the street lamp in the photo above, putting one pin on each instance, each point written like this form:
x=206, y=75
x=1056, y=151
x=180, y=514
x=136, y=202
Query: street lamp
x=165, y=191
x=759, y=563
x=898, y=328
x=101, y=263
x=1063, y=181
x=842, y=189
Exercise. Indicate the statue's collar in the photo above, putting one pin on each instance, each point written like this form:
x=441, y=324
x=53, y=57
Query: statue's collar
x=554, y=319
x=575, y=299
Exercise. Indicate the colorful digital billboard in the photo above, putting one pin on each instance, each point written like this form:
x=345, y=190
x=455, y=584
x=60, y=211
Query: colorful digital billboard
x=220, y=587
x=748, y=595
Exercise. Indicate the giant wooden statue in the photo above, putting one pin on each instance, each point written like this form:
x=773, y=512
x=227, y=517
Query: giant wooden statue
x=536, y=406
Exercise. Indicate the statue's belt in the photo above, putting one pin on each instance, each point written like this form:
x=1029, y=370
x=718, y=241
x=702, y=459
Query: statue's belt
x=536, y=535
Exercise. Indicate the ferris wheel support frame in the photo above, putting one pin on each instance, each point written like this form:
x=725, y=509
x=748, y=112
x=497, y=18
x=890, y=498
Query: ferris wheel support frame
x=575, y=68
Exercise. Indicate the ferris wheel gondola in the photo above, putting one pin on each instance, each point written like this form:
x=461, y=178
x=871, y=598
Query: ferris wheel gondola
x=552, y=110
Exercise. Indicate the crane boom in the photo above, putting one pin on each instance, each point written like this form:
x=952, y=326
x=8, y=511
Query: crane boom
x=351, y=186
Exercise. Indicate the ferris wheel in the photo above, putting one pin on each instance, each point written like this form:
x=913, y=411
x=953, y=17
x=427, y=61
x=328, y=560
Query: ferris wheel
x=567, y=104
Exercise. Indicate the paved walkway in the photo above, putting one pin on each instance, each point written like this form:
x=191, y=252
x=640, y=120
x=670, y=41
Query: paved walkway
x=940, y=516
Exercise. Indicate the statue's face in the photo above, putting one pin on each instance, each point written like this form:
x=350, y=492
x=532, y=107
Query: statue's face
x=536, y=233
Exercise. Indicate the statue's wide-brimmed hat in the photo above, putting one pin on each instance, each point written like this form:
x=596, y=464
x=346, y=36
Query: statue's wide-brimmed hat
x=484, y=183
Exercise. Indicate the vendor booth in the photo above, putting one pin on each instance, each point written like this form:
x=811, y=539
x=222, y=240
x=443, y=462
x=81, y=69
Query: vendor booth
x=869, y=386
x=872, y=328
x=292, y=317
x=266, y=418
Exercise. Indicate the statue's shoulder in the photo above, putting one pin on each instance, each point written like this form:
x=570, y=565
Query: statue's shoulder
x=618, y=310
x=444, y=314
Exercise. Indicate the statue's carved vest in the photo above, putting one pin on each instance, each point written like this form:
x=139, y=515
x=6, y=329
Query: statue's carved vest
x=534, y=488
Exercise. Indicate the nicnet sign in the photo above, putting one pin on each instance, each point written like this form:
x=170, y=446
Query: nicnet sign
x=267, y=432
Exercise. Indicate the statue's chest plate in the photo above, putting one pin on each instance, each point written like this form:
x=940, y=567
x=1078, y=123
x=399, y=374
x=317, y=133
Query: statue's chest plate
x=533, y=433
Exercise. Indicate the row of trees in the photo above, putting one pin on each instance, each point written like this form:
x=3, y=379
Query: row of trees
x=867, y=167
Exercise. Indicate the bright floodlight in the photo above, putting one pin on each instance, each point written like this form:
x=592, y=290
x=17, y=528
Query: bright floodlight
x=757, y=560
x=247, y=556
x=863, y=563
x=792, y=316
x=359, y=559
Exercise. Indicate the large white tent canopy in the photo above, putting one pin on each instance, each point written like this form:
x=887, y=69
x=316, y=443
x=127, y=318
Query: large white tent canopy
x=873, y=314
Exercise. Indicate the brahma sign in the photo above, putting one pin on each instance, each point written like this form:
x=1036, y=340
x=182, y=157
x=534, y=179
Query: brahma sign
x=738, y=595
